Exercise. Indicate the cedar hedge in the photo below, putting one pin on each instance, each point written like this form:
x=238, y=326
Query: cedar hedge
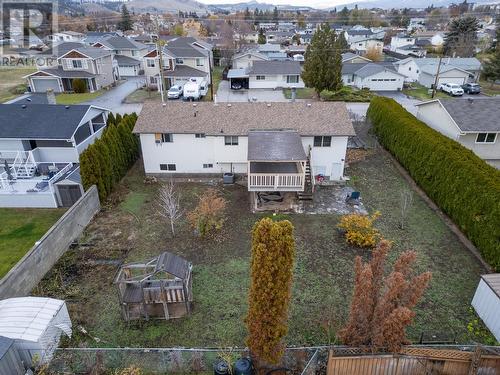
x=463, y=185
x=108, y=159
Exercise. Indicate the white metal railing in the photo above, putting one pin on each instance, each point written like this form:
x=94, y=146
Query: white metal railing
x=276, y=181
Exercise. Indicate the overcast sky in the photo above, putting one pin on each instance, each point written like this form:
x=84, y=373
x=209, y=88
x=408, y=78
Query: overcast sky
x=311, y=3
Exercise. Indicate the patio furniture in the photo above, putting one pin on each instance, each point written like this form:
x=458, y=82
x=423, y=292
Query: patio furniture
x=354, y=196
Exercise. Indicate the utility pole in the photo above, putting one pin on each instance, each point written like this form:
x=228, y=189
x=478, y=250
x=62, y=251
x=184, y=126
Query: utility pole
x=210, y=74
x=437, y=77
x=160, y=60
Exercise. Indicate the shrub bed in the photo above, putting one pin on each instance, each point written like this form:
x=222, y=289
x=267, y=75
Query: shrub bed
x=464, y=186
x=346, y=94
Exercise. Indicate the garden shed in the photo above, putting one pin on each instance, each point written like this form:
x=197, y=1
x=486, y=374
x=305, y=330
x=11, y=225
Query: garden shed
x=35, y=324
x=10, y=362
x=160, y=288
x=486, y=302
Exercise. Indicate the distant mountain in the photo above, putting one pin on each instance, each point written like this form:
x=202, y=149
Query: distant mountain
x=254, y=4
x=171, y=6
x=388, y=4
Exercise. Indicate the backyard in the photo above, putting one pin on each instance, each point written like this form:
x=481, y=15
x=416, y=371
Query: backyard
x=129, y=229
x=12, y=82
x=20, y=229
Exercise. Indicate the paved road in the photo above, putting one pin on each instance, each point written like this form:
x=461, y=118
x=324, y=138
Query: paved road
x=113, y=99
x=225, y=94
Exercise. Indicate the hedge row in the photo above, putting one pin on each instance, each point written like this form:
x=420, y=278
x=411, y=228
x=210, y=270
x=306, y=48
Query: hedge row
x=464, y=186
x=108, y=159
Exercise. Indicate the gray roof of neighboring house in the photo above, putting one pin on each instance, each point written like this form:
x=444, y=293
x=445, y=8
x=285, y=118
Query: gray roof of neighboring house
x=275, y=145
x=40, y=121
x=62, y=48
x=275, y=67
x=60, y=72
x=237, y=73
x=72, y=175
x=474, y=115
x=493, y=281
x=94, y=36
x=121, y=42
x=93, y=52
x=185, y=71
x=359, y=32
x=5, y=345
x=33, y=98
x=465, y=63
x=269, y=47
x=432, y=69
x=184, y=51
x=126, y=60
x=251, y=52
x=318, y=118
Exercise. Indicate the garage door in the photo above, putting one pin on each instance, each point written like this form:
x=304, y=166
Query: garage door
x=457, y=80
x=127, y=71
x=44, y=84
x=381, y=84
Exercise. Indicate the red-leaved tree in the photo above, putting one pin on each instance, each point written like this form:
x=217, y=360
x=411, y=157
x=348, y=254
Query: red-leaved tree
x=382, y=307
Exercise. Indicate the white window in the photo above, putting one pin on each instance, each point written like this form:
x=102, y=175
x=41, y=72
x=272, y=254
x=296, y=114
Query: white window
x=199, y=62
x=150, y=63
x=77, y=64
x=486, y=137
x=231, y=140
x=260, y=78
x=322, y=141
x=179, y=61
x=208, y=165
x=135, y=53
x=163, y=138
x=168, y=167
x=199, y=135
x=292, y=79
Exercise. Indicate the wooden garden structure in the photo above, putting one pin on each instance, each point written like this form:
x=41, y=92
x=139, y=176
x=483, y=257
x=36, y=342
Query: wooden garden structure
x=158, y=289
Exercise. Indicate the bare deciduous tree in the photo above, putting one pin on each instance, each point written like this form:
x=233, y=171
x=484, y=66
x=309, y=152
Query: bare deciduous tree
x=406, y=202
x=169, y=204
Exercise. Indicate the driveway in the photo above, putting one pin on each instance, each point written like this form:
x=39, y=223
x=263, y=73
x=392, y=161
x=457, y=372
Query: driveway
x=113, y=99
x=225, y=94
x=407, y=102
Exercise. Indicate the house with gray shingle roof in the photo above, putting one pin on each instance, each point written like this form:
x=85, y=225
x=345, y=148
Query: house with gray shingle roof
x=183, y=58
x=272, y=145
x=275, y=74
x=95, y=66
x=127, y=53
x=374, y=76
x=474, y=123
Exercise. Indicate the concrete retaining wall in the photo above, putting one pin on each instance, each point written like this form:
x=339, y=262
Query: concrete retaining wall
x=28, y=272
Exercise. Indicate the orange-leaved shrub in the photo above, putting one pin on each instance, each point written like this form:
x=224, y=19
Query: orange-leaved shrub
x=208, y=216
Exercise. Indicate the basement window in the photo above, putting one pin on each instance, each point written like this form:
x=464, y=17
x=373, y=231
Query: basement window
x=208, y=165
x=199, y=135
x=168, y=167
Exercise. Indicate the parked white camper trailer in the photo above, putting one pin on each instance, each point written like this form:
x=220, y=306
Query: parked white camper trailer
x=194, y=90
x=35, y=324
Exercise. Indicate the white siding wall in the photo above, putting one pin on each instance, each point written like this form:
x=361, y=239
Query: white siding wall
x=273, y=82
x=487, y=305
x=487, y=151
x=211, y=150
x=11, y=144
x=410, y=70
x=327, y=160
x=436, y=117
x=245, y=61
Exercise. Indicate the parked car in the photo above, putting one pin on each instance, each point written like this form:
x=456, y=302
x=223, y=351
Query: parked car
x=471, y=88
x=452, y=89
x=175, y=92
x=236, y=85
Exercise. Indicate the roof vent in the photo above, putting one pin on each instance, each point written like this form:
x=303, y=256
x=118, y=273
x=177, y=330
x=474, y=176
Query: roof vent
x=194, y=104
x=268, y=105
x=222, y=130
x=164, y=104
x=23, y=106
x=309, y=105
x=67, y=106
x=229, y=105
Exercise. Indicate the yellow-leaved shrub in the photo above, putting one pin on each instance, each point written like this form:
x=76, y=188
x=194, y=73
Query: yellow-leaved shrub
x=359, y=230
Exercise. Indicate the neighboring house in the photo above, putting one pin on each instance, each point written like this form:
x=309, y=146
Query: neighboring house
x=94, y=66
x=246, y=59
x=266, y=49
x=275, y=74
x=92, y=37
x=411, y=50
x=269, y=143
x=350, y=57
x=293, y=50
x=279, y=37
x=41, y=145
x=451, y=70
x=127, y=53
x=363, y=44
x=183, y=58
x=373, y=76
x=401, y=40
x=471, y=122
x=486, y=302
x=66, y=36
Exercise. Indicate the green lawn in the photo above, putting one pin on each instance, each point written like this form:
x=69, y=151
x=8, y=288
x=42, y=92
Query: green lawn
x=77, y=98
x=303, y=93
x=129, y=229
x=422, y=93
x=489, y=89
x=19, y=231
x=141, y=95
x=12, y=83
x=216, y=78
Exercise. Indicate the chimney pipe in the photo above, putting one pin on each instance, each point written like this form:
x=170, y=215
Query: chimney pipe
x=51, y=97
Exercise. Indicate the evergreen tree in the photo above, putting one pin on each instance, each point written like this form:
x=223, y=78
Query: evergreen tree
x=126, y=21
x=342, y=43
x=276, y=14
x=461, y=39
x=273, y=252
x=247, y=14
x=106, y=174
x=343, y=16
x=323, y=61
x=491, y=67
x=262, y=37
x=111, y=119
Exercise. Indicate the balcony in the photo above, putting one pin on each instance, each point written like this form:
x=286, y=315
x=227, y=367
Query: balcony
x=276, y=176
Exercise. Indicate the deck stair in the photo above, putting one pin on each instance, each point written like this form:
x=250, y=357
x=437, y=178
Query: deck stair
x=307, y=194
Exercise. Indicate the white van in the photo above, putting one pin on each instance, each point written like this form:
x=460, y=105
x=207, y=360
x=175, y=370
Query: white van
x=194, y=90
